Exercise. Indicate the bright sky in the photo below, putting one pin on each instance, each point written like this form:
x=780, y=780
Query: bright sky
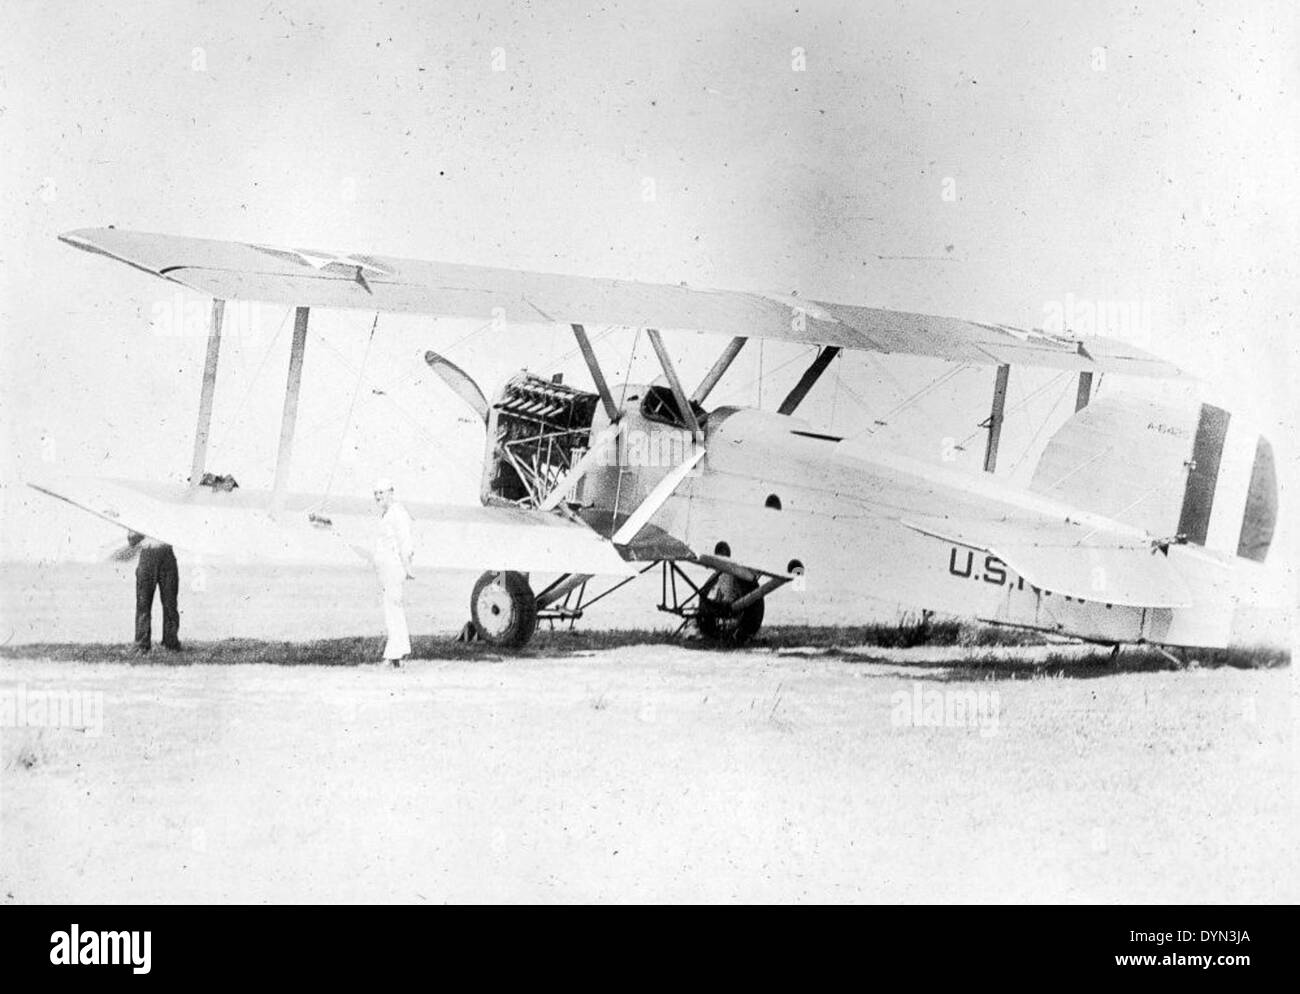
x=1093, y=152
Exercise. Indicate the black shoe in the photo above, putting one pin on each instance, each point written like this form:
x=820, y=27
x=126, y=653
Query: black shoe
x=173, y=647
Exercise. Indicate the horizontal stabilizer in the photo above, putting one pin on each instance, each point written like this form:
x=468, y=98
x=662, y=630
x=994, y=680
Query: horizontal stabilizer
x=1071, y=560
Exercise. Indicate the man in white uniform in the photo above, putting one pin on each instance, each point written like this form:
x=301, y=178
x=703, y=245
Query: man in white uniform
x=394, y=555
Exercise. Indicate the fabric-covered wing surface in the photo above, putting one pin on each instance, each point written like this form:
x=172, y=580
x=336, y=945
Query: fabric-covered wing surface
x=238, y=527
x=317, y=278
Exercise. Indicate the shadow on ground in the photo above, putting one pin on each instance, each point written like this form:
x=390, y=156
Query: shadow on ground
x=1079, y=664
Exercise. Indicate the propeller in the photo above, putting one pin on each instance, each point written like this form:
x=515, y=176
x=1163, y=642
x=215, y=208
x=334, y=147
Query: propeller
x=459, y=381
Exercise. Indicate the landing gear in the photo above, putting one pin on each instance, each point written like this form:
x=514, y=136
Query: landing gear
x=727, y=607
x=718, y=620
x=504, y=609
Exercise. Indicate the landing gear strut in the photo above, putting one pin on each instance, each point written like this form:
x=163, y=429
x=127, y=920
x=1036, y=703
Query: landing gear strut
x=504, y=609
x=728, y=607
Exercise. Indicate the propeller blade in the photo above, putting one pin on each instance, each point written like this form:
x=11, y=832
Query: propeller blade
x=459, y=381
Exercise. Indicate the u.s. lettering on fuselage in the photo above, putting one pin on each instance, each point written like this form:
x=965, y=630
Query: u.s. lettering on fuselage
x=994, y=571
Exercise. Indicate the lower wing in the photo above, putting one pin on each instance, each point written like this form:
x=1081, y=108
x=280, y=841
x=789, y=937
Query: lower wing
x=243, y=526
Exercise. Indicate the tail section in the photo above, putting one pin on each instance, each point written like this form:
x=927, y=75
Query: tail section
x=1187, y=472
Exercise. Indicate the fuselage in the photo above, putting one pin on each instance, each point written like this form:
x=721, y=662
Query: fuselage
x=780, y=496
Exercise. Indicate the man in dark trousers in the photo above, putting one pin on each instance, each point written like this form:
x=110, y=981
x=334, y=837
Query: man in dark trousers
x=155, y=568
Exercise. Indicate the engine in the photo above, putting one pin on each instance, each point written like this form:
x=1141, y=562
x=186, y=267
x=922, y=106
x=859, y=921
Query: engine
x=537, y=429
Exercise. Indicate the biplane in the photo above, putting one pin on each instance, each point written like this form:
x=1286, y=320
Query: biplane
x=587, y=487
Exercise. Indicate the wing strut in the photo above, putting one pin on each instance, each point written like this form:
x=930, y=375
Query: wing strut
x=806, y=382
x=561, y=588
x=289, y=417
x=589, y=354
x=996, y=416
x=683, y=404
x=1085, y=391
x=204, y=424
x=719, y=368
x=656, y=499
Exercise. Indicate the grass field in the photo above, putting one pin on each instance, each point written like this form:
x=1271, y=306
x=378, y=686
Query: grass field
x=874, y=762
x=969, y=651
x=650, y=772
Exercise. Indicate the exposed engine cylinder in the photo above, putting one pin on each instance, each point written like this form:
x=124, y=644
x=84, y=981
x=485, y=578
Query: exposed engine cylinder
x=537, y=428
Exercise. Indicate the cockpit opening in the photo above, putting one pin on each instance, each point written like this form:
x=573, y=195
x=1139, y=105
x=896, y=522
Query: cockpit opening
x=660, y=405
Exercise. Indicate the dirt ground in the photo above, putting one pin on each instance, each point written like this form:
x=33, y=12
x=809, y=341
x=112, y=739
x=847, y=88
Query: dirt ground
x=650, y=773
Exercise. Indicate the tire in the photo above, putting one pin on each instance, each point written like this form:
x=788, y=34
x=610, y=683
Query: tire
x=719, y=625
x=504, y=609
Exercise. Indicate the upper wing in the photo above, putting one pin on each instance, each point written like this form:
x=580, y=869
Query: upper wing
x=240, y=527
x=316, y=278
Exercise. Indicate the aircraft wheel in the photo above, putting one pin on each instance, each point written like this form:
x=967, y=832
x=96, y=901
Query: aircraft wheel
x=717, y=623
x=504, y=609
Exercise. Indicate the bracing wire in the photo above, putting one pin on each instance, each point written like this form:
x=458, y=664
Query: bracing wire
x=248, y=391
x=1039, y=431
x=742, y=387
x=411, y=419
x=1025, y=400
x=352, y=404
x=917, y=395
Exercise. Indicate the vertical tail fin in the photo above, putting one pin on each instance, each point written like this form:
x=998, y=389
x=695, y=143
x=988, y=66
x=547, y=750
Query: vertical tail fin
x=1184, y=470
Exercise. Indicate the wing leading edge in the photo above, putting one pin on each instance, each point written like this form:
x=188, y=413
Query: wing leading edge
x=318, y=278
